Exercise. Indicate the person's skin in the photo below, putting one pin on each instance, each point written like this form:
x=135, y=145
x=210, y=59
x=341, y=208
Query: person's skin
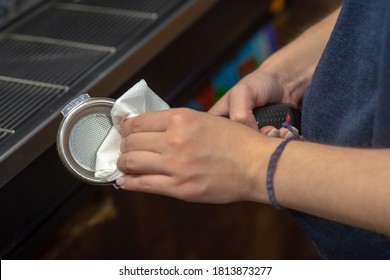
x=202, y=157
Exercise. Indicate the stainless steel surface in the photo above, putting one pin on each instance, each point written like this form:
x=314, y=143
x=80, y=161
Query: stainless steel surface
x=81, y=134
x=65, y=48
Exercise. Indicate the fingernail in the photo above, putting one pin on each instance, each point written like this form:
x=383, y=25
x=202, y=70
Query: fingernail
x=295, y=129
x=120, y=181
x=273, y=133
x=288, y=135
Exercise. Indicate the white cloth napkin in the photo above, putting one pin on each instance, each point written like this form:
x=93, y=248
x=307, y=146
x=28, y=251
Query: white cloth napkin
x=137, y=100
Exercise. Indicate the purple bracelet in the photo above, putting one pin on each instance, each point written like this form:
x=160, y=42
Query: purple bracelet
x=273, y=161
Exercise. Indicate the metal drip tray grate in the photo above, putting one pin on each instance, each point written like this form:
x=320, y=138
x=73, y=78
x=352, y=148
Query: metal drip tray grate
x=48, y=63
x=91, y=27
x=19, y=102
x=157, y=6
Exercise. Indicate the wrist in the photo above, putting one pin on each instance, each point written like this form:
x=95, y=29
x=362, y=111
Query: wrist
x=258, y=171
x=272, y=149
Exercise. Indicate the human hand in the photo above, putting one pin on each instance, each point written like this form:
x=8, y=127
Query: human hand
x=194, y=156
x=255, y=90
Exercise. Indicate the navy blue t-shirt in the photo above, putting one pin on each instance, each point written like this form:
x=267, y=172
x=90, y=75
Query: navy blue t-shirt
x=348, y=104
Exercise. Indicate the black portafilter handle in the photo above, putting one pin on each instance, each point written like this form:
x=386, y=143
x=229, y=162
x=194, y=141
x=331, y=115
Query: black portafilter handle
x=275, y=114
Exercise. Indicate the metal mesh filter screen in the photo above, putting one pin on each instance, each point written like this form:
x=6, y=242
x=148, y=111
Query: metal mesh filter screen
x=86, y=137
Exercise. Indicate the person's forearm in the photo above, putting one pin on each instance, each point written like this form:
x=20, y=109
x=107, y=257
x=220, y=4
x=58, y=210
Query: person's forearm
x=347, y=185
x=295, y=63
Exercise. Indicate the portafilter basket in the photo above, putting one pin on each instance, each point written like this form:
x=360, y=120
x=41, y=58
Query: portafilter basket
x=83, y=129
